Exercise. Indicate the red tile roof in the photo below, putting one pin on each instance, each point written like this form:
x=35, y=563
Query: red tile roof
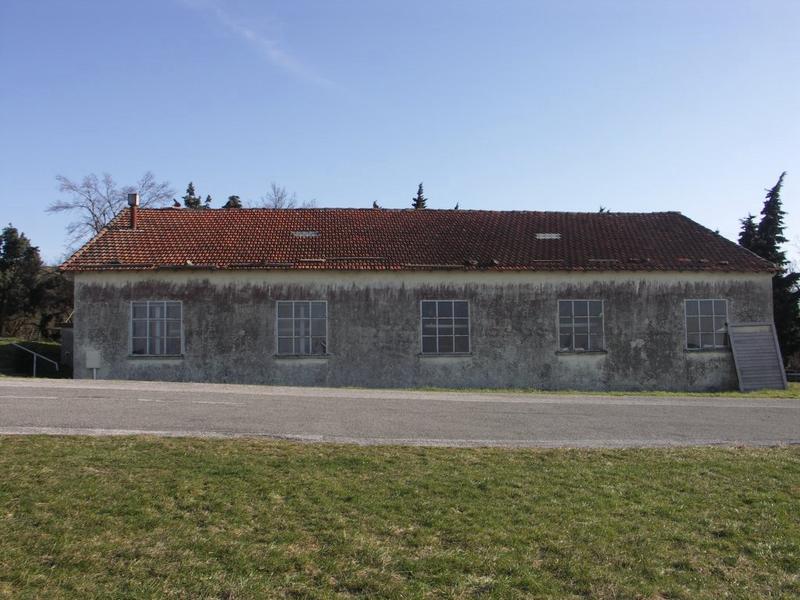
x=399, y=240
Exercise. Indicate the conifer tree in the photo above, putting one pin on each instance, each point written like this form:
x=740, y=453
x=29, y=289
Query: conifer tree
x=233, y=202
x=748, y=233
x=20, y=265
x=769, y=234
x=765, y=240
x=191, y=199
x=419, y=201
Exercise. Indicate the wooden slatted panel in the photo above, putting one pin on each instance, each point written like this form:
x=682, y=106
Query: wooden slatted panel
x=757, y=356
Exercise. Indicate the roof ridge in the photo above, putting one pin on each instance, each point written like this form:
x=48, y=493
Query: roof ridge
x=209, y=210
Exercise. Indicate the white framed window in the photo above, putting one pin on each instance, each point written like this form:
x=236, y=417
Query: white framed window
x=445, y=326
x=581, y=326
x=302, y=327
x=706, y=324
x=156, y=328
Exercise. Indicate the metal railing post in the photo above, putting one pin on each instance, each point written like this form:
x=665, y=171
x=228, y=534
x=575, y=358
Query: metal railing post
x=36, y=356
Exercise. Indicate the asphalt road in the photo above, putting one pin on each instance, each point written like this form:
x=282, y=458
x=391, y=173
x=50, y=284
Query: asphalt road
x=390, y=416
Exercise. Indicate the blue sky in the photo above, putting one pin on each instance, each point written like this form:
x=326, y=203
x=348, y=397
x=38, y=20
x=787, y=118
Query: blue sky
x=562, y=105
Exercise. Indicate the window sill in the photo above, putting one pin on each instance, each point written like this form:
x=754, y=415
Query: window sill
x=725, y=350
x=301, y=356
x=444, y=354
x=581, y=352
x=156, y=356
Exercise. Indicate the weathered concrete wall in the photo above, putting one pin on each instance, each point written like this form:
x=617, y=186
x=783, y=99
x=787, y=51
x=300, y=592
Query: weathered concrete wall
x=374, y=328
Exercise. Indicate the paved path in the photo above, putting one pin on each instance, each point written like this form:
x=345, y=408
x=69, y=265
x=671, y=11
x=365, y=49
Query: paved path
x=390, y=416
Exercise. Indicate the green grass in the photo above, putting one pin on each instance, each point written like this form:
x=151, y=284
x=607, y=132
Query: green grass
x=17, y=363
x=792, y=392
x=191, y=518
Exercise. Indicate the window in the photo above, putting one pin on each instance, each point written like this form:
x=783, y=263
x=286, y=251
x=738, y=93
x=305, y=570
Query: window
x=156, y=328
x=445, y=326
x=580, y=326
x=706, y=324
x=302, y=327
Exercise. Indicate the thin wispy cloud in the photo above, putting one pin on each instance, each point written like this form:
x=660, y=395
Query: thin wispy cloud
x=265, y=45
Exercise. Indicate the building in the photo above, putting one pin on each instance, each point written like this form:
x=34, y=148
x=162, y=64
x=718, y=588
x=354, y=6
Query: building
x=407, y=298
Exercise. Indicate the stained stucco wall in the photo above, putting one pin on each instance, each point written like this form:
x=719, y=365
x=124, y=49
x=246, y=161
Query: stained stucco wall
x=374, y=328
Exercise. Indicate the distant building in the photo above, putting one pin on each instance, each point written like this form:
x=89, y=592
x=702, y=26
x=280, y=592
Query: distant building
x=406, y=298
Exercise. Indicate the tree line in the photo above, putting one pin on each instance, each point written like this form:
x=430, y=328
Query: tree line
x=766, y=239
x=34, y=298
x=94, y=201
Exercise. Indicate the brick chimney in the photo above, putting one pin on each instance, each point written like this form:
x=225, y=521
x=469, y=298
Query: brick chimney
x=133, y=202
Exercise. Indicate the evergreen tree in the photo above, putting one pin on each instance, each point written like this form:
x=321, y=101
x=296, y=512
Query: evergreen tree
x=54, y=300
x=765, y=240
x=748, y=233
x=191, y=199
x=233, y=202
x=207, y=203
x=20, y=265
x=769, y=234
x=419, y=201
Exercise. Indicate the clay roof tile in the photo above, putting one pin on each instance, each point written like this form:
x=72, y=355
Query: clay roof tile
x=369, y=239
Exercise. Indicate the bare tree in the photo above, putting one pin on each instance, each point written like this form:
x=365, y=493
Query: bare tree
x=794, y=262
x=95, y=201
x=279, y=197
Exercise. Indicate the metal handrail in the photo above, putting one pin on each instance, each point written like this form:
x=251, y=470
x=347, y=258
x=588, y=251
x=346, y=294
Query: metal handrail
x=36, y=356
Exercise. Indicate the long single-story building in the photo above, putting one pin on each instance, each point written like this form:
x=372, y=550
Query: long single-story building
x=408, y=298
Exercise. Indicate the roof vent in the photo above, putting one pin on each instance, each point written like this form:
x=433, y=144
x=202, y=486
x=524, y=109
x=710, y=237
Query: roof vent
x=548, y=236
x=305, y=234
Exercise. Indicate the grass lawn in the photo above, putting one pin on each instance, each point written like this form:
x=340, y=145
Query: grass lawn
x=192, y=518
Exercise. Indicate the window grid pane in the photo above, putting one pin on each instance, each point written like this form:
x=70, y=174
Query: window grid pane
x=445, y=326
x=580, y=325
x=706, y=324
x=156, y=328
x=302, y=327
